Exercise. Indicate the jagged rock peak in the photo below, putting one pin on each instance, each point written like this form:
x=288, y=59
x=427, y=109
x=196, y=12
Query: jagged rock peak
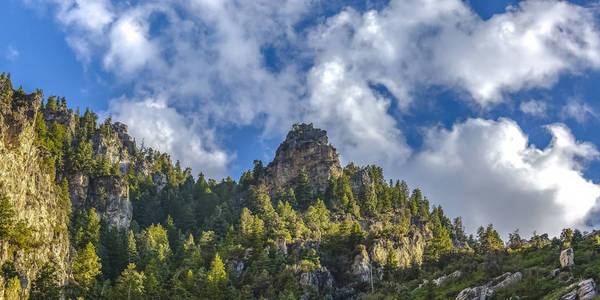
x=304, y=133
x=304, y=147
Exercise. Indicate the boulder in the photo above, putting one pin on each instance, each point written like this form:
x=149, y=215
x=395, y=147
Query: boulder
x=567, y=257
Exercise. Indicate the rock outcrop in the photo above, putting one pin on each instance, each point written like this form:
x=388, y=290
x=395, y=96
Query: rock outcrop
x=117, y=146
x=304, y=147
x=31, y=192
x=583, y=290
x=487, y=290
x=361, y=267
x=567, y=258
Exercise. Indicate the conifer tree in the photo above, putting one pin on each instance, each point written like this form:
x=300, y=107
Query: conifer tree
x=86, y=266
x=51, y=103
x=132, y=254
x=130, y=284
x=217, y=281
x=303, y=190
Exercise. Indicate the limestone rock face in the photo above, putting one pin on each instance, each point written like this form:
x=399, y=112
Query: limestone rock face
x=117, y=146
x=362, y=183
x=110, y=196
x=62, y=116
x=320, y=278
x=567, y=257
x=304, y=146
x=32, y=193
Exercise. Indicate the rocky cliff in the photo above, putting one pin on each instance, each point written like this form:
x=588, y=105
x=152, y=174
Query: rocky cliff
x=40, y=213
x=304, y=147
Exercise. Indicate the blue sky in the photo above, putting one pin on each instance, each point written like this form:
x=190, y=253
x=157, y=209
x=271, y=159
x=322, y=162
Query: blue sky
x=455, y=97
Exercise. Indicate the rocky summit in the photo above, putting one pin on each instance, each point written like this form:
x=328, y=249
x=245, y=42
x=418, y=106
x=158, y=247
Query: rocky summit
x=304, y=147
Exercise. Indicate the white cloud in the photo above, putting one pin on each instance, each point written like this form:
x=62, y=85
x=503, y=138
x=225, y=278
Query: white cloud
x=411, y=44
x=129, y=48
x=12, y=53
x=488, y=172
x=535, y=108
x=578, y=110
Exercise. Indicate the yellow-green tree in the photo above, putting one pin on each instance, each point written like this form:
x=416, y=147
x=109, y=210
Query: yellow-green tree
x=86, y=266
x=216, y=280
x=130, y=284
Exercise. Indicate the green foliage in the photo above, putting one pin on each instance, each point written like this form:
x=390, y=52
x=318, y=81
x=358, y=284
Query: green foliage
x=130, y=284
x=63, y=195
x=46, y=285
x=85, y=228
x=51, y=103
x=13, y=291
x=7, y=219
x=80, y=160
x=489, y=239
x=86, y=267
x=102, y=166
x=441, y=242
x=303, y=191
x=217, y=280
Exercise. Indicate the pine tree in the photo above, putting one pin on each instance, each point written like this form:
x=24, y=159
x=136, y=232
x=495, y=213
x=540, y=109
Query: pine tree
x=51, y=103
x=217, y=281
x=132, y=254
x=303, y=190
x=87, y=225
x=130, y=284
x=86, y=266
x=441, y=242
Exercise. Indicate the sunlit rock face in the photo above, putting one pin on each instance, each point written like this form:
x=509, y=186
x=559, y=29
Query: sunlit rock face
x=304, y=147
x=32, y=194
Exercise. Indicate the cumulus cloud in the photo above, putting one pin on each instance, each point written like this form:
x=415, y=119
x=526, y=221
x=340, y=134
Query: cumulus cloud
x=535, y=108
x=488, y=172
x=446, y=43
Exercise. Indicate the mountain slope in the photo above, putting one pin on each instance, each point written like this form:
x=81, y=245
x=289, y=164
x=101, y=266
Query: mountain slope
x=87, y=213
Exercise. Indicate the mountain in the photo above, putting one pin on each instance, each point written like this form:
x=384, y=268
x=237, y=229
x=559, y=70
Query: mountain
x=86, y=212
